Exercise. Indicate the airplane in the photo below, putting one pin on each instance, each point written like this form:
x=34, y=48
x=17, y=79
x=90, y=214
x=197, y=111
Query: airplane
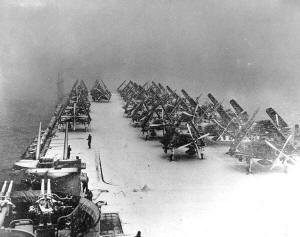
x=262, y=142
x=227, y=121
x=211, y=117
x=170, y=108
x=153, y=122
x=100, y=93
x=77, y=110
x=176, y=138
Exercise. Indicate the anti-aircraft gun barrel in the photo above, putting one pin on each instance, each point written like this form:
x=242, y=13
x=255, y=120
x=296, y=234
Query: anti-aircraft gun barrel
x=42, y=187
x=38, y=147
x=49, y=187
x=8, y=193
x=3, y=188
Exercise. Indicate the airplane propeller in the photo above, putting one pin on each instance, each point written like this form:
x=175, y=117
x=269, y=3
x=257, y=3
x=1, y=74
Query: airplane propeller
x=214, y=109
x=194, y=140
x=281, y=152
x=226, y=128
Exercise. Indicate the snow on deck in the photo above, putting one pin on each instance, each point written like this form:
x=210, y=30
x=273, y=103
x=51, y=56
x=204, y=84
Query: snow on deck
x=189, y=197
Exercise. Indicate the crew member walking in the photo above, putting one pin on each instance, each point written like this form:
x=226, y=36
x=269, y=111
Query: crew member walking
x=69, y=152
x=89, y=139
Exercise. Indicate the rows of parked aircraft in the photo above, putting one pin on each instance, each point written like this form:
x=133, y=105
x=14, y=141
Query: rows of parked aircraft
x=73, y=113
x=77, y=111
x=184, y=122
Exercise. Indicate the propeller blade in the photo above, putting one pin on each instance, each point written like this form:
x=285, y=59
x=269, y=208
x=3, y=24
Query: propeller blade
x=226, y=128
x=190, y=132
x=271, y=145
x=281, y=151
x=286, y=142
x=186, y=113
x=203, y=136
x=155, y=125
x=195, y=111
x=185, y=145
x=218, y=124
x=196, y=108
x=198, y=152
x=276, y=149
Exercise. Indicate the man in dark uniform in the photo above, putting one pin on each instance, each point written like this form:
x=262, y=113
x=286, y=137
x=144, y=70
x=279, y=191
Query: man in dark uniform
x=89, y=139
x=85, y=184
x=69, y=152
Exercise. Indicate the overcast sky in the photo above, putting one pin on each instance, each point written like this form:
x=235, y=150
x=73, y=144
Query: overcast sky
x=244, y=49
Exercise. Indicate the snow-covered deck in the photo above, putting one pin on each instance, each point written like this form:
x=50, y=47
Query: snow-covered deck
x=189, y=197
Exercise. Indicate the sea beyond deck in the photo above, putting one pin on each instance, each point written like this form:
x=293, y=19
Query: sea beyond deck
x=188, y=197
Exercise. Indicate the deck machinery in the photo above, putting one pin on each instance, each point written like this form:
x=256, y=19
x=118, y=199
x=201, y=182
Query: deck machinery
x=43, y=213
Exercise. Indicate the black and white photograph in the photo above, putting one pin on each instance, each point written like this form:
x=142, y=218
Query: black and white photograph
x=149, y=118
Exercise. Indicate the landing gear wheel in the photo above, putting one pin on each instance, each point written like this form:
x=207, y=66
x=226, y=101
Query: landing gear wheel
x=165, y=150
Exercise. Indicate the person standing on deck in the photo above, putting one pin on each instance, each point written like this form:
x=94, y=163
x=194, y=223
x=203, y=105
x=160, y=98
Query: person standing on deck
x=85, y=184
x=89, y=139
x=138, y=234
x=69, y=152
